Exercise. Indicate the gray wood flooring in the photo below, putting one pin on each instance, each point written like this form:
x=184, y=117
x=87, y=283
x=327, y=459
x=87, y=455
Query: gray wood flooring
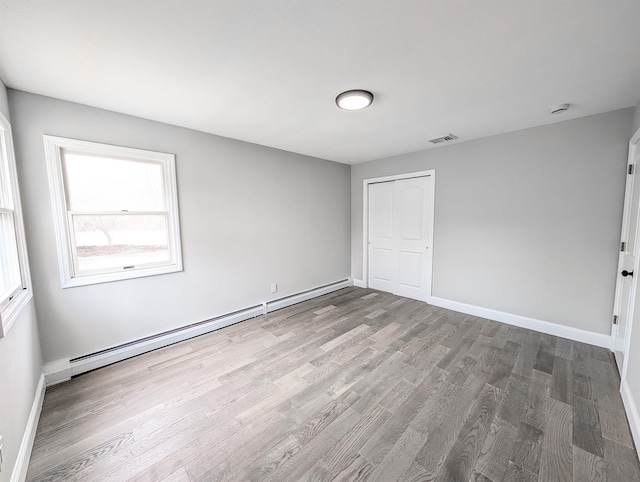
x=356, y=385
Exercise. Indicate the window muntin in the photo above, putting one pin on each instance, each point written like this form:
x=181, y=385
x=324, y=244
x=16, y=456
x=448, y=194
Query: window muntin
x=115, y=209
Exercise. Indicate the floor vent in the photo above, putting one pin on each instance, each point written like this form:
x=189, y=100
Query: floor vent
x=445, y=138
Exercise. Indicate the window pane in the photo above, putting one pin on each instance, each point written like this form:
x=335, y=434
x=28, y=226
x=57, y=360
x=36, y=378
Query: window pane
x=9, y=266
x=95, y=183
x=108, y=241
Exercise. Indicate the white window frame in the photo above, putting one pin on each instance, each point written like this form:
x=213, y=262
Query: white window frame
x=54, y=148
x=10, y=311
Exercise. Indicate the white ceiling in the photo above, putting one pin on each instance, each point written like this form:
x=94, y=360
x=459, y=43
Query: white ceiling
x=268, y=71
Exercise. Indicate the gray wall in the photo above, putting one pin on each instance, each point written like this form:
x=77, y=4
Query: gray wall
x=526, y=223
x=20, y=369
x=250, y=216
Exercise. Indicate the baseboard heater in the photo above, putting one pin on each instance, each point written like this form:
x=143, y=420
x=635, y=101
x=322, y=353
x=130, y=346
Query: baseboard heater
x=62, y=370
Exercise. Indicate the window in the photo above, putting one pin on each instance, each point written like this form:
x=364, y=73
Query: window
x=15, y=289
x=115, y=211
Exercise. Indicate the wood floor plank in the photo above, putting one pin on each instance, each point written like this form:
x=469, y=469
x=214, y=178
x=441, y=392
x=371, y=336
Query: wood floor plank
x=463, y=455
x=442, y=431
x=586, y=426
x=358, y=470
x=621, y=465
x=493, y=459
x=562, y=379
x=587, y=466
x=515, y=473
x=614, y=426
x=556, y=460
x=527, y=448
x=399, y=458
x=354, y=385
x=539, y=393
x=346, y=449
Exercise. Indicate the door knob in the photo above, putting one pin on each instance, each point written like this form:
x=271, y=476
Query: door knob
x=626, y=273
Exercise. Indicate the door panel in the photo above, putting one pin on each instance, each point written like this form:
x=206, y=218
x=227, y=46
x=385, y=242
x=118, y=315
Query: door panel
x=411, y=212
x=400, y=236
x=381, y=264
x=409, y=269
x=383, y=211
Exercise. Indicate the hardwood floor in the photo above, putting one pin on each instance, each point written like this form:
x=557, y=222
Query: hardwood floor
x=355, y=385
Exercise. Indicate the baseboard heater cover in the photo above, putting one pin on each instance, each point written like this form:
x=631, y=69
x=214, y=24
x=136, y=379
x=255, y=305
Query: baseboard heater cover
x=239, y=313
x=62, y=370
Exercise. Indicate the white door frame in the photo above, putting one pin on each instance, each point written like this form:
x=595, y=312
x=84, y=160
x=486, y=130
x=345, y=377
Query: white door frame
x=365, y=217
x=634, y=145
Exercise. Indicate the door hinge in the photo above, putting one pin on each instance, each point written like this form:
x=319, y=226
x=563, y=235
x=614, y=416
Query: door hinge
x=630, y=170
x=623, y=245
x=615, y=319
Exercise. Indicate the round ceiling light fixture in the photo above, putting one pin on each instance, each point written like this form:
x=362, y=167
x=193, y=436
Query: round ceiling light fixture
x=354, y=99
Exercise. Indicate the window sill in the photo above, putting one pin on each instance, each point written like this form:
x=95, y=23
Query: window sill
x=118, y=276
x=13, y=311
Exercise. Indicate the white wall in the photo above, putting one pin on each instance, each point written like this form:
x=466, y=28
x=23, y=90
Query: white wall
x=20, y=369
x=526, y=223
x=250, y=216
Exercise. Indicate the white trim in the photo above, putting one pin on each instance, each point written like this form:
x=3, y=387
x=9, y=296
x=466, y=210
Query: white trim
x=63, y=369
x=365, y=219
x=15, y=307
x=21, y=466
x=54, y=146
x=550, y=328
x=631, y=408
x=359, y=283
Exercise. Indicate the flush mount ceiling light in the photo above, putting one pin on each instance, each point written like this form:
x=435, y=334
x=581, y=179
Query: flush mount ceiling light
x=354, y=99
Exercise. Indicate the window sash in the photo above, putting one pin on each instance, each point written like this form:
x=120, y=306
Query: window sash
x=78, y=272
x=9, y=258
x=18, y=292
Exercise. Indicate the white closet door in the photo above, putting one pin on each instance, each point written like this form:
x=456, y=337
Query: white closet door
x=400, y=236
x=381, y=236
x=412, y=238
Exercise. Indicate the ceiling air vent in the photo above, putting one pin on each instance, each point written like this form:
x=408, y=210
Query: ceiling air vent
x=445, y=138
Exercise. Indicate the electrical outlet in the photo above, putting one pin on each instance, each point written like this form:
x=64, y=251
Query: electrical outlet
x=274, y=288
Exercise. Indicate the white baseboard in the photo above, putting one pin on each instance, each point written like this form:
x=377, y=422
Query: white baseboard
x=631, y=407
x=575, y=334
x=19, y=473
x=61, y=370
x=359, y=283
